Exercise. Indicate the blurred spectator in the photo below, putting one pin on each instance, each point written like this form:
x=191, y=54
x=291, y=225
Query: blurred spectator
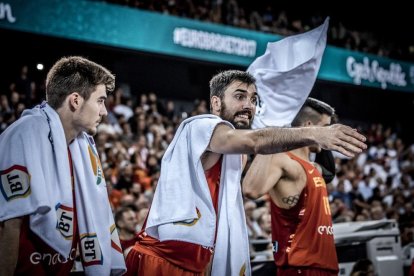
x=126, y=222
x=125, y=180
x=253, y=227
x=268, y=17
x=377, y=212
x=124, y=105
x=342, y=195
x=363, y=267
x=265, y=225
x=142, y=214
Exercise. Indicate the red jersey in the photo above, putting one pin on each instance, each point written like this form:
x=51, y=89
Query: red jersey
x=189, y=256
x=303, y=236
x=38, y=258
x=125, y=244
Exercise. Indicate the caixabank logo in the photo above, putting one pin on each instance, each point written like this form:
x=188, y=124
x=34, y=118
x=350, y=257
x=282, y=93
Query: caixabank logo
x=15, y=182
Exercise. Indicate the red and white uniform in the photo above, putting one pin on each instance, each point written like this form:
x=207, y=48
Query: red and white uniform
x=303, y=236
x=149, y=256
x=38, y=258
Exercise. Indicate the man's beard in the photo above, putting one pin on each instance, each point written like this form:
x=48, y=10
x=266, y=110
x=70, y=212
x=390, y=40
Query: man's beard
x=225, y=115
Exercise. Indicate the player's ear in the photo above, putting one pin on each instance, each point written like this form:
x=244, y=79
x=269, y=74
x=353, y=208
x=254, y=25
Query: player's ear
x=215, y=104
x=75, y=101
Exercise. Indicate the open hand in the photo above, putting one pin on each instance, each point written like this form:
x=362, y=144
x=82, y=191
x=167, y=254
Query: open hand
x=340, y=138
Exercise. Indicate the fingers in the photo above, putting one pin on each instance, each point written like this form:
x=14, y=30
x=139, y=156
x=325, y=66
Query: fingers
x=343, y=151
x=350, y=141
x=346, y=148
x=353, y=133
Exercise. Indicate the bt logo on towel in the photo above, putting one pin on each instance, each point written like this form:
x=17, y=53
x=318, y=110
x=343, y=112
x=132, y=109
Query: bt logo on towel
x=15, y=182
x=64, y=223
x=91, y=251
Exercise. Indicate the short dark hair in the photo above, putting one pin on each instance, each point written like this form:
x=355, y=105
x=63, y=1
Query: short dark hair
x=70, y=74
x=220, y=82
x=312, y=110
x=362, y=266
x=119, y=215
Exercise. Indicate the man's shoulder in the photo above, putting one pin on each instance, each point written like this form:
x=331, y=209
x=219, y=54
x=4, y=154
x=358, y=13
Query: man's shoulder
x=32, y=119
x=26, y=125
x=289, y=165
x=203, y=118
x=200, y=121
x=206, y=120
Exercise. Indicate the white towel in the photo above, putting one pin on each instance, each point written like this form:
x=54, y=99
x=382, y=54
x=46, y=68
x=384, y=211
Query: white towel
x=43, y=190
x=285, y=75
x=232, y=256
x=101, y=248
x=182, y=208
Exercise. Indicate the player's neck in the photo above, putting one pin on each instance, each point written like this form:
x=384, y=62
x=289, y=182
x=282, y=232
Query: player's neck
x=126, y=235
x=302, y=153
x=68, y=128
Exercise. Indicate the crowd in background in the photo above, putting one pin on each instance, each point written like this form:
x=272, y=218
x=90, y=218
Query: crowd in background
x=269, y=17
x=377, y=184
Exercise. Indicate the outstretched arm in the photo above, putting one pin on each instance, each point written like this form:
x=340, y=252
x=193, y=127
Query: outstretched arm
x=270, y=140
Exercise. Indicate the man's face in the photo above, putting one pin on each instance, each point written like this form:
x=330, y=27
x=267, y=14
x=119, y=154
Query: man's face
x=130, y=221
x=266, y=223
x=92, y=110
x=238, y=105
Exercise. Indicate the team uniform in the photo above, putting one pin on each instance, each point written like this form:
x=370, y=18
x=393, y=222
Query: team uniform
x=63, y=204
x=183, y=219
x=151, y=257
x=303, y=241
x=36, y=257
x=125, y=244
